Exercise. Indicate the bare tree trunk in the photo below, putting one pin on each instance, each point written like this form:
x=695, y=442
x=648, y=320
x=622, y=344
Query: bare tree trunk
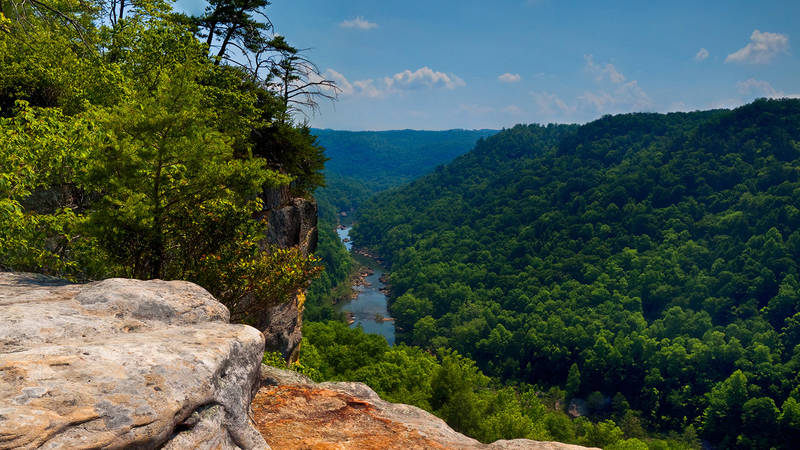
x=225, y=41
x=211, y=30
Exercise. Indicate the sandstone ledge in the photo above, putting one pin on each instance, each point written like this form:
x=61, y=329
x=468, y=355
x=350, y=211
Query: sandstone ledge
x=123, y=363
x=292, y=412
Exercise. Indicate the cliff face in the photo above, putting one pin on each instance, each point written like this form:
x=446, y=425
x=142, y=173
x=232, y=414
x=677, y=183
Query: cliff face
x=123, y=363
x=292, y=223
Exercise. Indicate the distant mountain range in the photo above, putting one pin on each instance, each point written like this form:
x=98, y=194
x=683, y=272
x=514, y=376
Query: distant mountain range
x=383, y=159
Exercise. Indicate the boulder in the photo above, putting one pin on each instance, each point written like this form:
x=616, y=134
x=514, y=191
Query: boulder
x=123, y=363
x=292, y=412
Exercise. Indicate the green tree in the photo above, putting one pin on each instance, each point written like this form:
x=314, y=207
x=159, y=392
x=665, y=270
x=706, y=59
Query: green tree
x=722, y=419
x=573, y=385
x=759, y=423
x=454, y=392
x=235, y=23
x=790, y=420
x=160, y=159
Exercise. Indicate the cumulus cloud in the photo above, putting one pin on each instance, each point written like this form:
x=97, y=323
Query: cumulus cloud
x=358, y=23
x=509, y=77
x=367, y=88
x=424, y=77
x=763, y=47
x=761, y=88
x=341, y=82
x=701, y=55
x=603, y=71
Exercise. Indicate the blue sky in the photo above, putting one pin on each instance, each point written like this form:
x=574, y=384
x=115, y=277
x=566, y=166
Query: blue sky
x=441, y=64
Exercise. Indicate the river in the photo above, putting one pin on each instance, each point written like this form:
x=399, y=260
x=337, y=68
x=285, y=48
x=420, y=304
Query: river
x=370, y=308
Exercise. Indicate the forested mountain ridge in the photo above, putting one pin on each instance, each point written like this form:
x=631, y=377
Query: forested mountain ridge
x=382, y=159
x=362, y=163
x=649, y=255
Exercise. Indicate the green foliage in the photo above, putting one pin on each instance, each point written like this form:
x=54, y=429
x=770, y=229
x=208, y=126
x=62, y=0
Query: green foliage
x=126, y=151
x=573, y=385
x=399, y=374
x=334, y=284
x=276, y=359
x=656, y=253
x=44, y=152
x=385, y=159
x=161, y=159
x=363, y=163
x=449, y=385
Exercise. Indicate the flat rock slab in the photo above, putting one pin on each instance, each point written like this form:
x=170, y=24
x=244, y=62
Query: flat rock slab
x=292, y=412
x=123, y=363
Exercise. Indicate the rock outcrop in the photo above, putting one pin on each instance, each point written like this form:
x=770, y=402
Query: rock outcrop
x=292, y=412
x=292, y=222
x=123, y=363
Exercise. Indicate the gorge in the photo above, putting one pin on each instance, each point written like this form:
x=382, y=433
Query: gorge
x=369, y=309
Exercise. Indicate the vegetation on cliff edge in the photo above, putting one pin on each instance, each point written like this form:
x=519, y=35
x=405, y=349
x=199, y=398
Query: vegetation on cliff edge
x=133, y=143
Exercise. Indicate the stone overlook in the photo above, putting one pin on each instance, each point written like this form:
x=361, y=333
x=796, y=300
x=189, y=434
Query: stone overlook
x=123, y=363
x=155, y=364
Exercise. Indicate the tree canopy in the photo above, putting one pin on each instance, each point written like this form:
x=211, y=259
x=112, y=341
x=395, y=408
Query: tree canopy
x=130, y=148
x=647, y=254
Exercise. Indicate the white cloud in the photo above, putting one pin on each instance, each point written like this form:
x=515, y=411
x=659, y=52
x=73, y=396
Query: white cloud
x=423, y=78
x=624, y=98
x=550, y=104
x=367, y=88
x=761, y=88
x=509, y=77
x=616, y=95
x=613, y=93
x=602, y=72
x=763, y=47
x=513, y=110
x=701, y=55
x=341, y=82
x=359, y=23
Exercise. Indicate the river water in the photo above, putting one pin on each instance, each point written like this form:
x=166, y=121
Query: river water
x=370, y=307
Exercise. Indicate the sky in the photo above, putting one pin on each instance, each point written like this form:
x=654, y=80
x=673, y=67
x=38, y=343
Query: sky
x=443, y=64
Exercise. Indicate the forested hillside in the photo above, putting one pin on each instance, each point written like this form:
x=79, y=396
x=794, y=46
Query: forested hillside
x=646, y=258
x=360, y=164
x=383, y=159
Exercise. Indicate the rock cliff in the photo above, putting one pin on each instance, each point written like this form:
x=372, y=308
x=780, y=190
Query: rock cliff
x=123, y=363
x=292, y=222
x=292, y=412
x=148, y=364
